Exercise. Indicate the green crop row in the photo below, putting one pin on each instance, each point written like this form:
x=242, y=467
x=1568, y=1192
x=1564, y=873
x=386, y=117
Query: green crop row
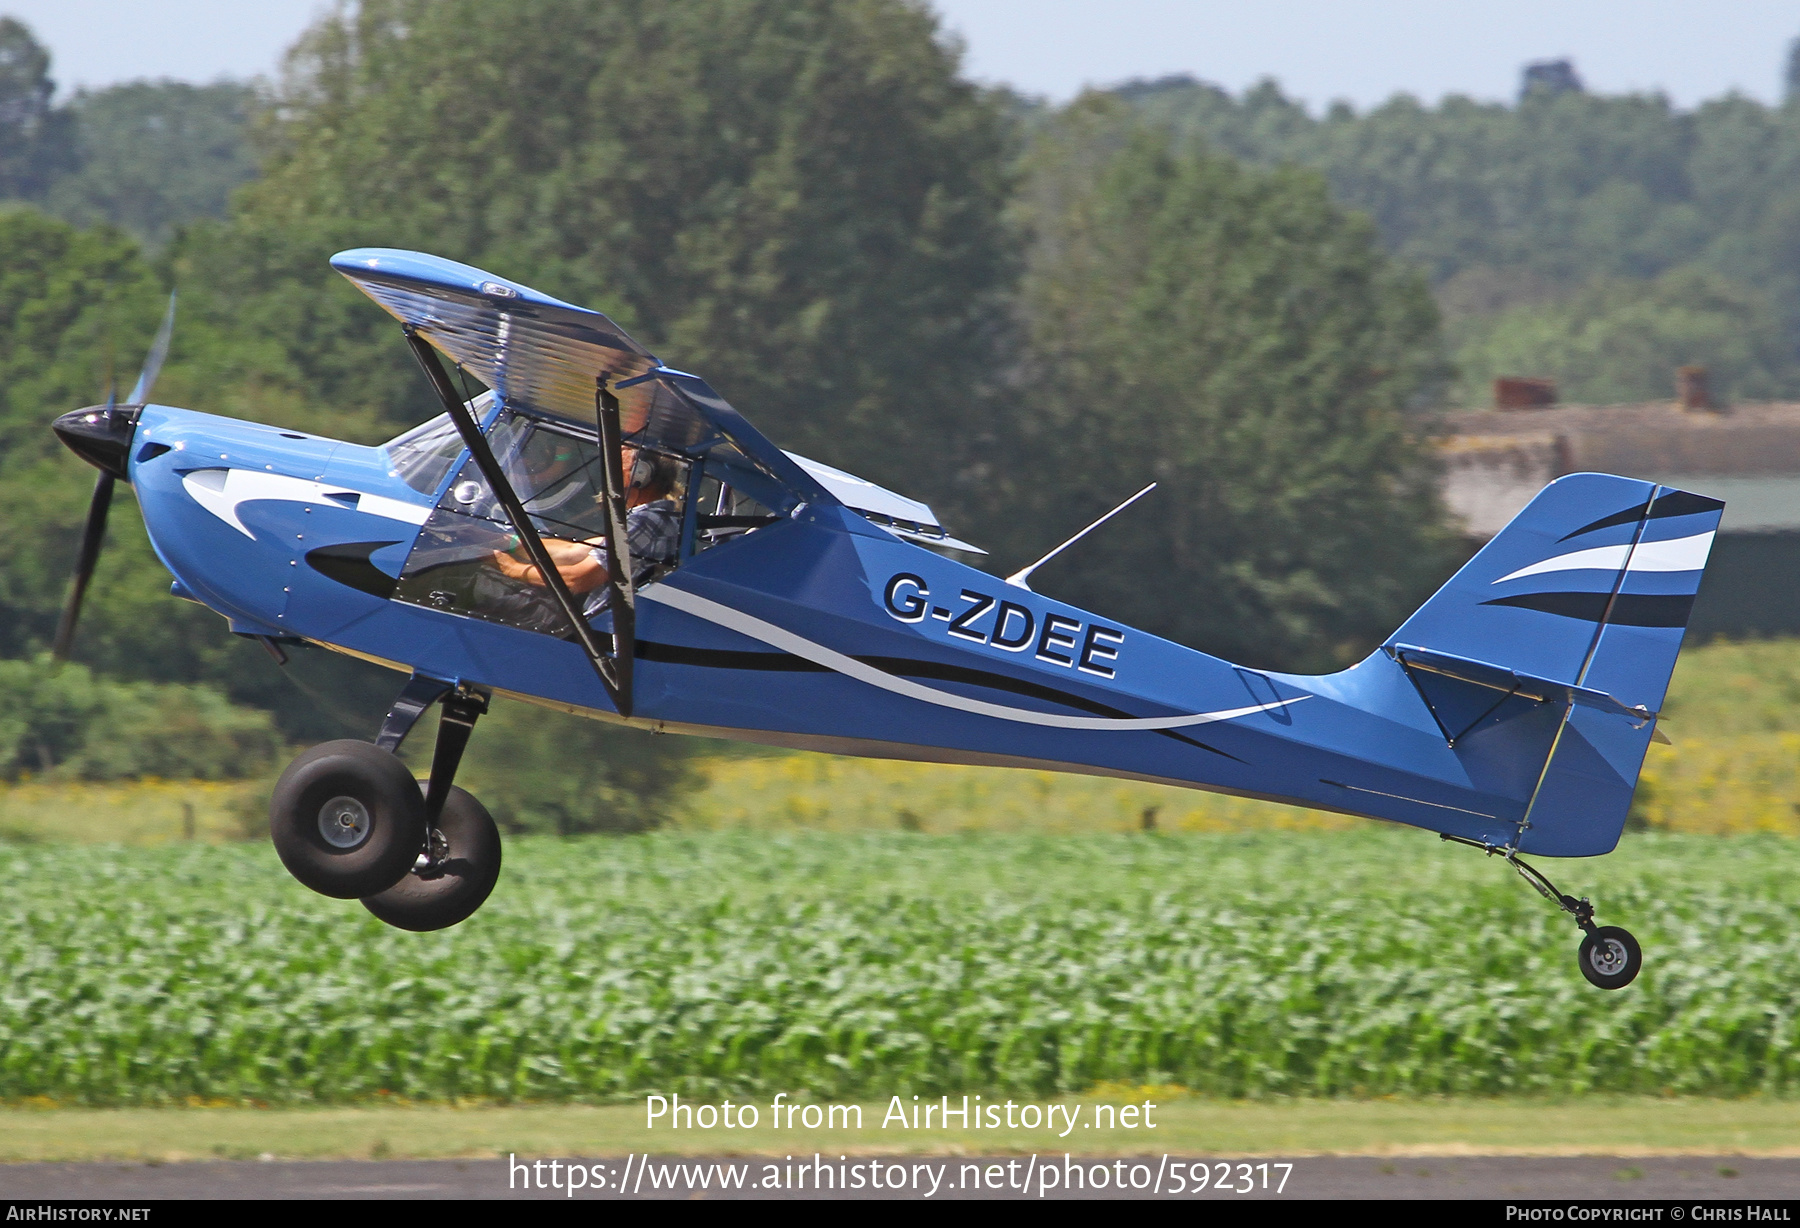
x=866, y=965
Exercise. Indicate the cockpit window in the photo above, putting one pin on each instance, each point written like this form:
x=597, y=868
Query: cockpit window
x=423, y=456
x=467, y=559
x=555, y=472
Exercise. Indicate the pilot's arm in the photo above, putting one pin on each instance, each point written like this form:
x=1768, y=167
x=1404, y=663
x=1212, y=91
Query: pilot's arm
x=575, y=563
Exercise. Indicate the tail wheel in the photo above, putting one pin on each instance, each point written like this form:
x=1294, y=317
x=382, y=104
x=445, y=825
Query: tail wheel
x=1609, y=957
x=347, y=819
x=452, y=879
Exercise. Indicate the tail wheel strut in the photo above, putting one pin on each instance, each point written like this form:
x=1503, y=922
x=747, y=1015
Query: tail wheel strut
x=1609, y=957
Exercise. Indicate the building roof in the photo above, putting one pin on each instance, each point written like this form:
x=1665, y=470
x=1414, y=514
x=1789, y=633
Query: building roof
x=1496, y=460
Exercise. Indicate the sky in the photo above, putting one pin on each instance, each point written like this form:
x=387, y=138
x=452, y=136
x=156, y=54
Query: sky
x=1363, y=51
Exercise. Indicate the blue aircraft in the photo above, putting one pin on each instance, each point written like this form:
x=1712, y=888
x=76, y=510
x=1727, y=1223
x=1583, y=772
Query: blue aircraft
x=495, y=550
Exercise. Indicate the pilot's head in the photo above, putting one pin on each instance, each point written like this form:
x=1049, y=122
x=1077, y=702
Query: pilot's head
x=648, y=475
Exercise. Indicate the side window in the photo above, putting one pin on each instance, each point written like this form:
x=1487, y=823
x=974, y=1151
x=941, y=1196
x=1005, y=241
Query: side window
x=422, y=456
x=724, y=512
x=467, y=559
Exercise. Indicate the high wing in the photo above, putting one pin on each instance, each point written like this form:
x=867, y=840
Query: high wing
x=541, y=353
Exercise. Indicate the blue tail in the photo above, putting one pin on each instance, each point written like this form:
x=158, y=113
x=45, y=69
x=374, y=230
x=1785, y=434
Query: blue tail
x=1550, y=652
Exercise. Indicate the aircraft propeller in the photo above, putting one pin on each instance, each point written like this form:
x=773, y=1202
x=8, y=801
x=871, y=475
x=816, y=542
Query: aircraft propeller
x=101, y=435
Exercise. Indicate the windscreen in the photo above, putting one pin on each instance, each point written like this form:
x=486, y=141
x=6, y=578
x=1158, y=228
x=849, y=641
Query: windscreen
x=422, y=456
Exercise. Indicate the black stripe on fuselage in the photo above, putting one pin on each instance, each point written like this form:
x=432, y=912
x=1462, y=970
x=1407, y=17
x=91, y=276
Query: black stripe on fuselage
x=902, y=667
x=1628, y=610
x=348, y=563
x=1675, y=503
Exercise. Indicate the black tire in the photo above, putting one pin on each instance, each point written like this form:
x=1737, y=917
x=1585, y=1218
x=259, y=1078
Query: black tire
x=468, y=865
x=347, y=819
x=1610, y=958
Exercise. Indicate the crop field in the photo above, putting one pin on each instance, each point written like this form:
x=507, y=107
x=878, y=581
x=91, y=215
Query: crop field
x=856, y=966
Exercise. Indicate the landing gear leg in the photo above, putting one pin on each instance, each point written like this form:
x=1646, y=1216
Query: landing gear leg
x=456, y=870
x=1609, y=956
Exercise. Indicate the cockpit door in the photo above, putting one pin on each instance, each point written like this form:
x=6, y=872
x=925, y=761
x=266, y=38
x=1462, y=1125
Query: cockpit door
x=555, y=471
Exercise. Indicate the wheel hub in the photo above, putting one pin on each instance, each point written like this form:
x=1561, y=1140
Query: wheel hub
x=344, y=822
x=1609, y=957
x=430, y=863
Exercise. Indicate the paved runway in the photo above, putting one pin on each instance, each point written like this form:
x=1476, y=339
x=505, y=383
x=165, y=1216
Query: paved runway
x=1697, y=1178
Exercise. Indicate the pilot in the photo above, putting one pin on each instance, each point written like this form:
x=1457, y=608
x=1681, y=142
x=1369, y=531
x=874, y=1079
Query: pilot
x=652, y=531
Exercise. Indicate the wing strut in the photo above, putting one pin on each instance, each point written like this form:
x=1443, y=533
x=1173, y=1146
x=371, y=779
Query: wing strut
x=614, y=671
x=619, y=583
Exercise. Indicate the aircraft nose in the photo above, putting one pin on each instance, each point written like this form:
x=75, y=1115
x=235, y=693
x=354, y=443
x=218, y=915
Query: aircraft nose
x=100, y=435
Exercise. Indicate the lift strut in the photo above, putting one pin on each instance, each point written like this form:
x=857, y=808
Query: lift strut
x=613, y=669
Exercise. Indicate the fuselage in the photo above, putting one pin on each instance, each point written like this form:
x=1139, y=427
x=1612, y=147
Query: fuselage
x=820, y=631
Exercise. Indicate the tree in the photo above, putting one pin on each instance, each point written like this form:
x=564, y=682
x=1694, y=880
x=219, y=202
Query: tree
x=151, y=156
x=1560, y=191
x=1235, y=336
x=31, y=133
x=77, y=311
x=798, y=198
x=1621, y=341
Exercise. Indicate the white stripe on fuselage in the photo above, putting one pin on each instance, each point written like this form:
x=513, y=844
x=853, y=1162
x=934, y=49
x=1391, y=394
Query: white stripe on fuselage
x=1681, y=554
x=818, y=654
x=220, y=491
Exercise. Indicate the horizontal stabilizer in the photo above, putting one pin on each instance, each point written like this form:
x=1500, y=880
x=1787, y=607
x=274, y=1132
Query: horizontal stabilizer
x=1511, y=681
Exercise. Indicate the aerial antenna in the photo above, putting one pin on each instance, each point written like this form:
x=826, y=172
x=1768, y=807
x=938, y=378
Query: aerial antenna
x=1022, y=577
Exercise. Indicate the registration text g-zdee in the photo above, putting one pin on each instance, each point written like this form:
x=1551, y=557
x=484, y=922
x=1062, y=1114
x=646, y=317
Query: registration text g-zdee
x=1009, y=626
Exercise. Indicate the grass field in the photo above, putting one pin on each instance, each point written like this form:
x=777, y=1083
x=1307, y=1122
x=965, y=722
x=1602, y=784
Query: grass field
x=854, y=966
x=1620, y=1126
x=849, y=929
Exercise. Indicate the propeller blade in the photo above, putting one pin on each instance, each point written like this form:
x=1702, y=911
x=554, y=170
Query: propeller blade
x=84, y=565
x=159, y=350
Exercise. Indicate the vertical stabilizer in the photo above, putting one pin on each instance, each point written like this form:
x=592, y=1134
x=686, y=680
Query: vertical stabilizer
x=1590, y=588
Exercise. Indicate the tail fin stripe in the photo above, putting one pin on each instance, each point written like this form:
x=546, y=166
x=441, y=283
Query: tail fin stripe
x=1677, y=554
x=1608, y=632
x=1628, y=609
x=1675, y=503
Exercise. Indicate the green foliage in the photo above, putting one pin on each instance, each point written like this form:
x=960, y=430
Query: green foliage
x=1620, y=341
x=146, y=156
x=1235, y=336
x=539, y=770
x=801, y=200
x=77, y=311
x=64, y=719
x=152, y=156
x=1562, y=190
x=1570, y=185
x=33, y=136
x=1723, y=688
x=866, y=966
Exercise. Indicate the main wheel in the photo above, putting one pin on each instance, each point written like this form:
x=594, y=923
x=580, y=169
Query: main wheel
x=449, y=886
x=347, y=819
x=1610, y=957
